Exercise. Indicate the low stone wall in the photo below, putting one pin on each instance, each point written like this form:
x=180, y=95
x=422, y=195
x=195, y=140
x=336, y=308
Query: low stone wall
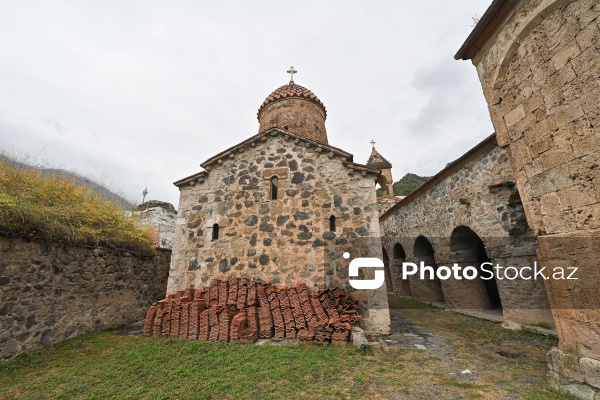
x=52, y=292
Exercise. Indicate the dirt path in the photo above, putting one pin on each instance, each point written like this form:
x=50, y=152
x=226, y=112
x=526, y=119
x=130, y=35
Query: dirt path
x=462, y=358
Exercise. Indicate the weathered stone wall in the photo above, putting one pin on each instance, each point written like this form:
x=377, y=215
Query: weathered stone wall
x=540, y=79
x=384, y=203
x=544, y=104
x=283, y=241
x=295, y=115
x=51, y=292
x=476, y=192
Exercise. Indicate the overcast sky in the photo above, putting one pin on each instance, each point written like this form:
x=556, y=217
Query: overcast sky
x=139, y=93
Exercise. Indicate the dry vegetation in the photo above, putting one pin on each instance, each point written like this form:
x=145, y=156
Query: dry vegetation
x=48, y=207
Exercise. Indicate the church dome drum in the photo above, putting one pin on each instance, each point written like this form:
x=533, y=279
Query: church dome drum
x=294, y=109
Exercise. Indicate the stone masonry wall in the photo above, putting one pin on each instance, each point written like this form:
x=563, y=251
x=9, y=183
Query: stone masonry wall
x=478, y=194
x=540, y=78
x=295, y=115
x=384, y=203
x=51, y=292
x=285, y=241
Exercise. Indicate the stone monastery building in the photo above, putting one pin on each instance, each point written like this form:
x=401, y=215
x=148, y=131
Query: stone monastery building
x=279, y=207
x=282, y=205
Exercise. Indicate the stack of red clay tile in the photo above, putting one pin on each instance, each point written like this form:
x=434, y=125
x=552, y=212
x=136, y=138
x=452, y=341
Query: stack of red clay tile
x=265, y=323
x=241, y=310
x=323, y=335
x=341, y=333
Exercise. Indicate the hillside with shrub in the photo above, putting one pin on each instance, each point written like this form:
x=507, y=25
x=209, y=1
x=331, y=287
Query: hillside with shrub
x=105, y=192
x=408, y=184
x=49, y=206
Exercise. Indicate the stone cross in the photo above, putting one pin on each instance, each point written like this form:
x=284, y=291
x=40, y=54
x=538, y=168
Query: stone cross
x=373, y=143
x=291, y=71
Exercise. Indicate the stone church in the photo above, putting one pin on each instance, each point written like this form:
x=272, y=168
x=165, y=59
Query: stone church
x=282, y=207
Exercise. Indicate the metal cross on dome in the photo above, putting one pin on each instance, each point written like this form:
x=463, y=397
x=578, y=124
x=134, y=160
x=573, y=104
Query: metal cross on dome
x=291, y=71
x=373, y=143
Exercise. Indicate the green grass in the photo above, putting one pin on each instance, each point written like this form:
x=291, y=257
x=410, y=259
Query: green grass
x=102, y=365
x=543, y=325
x=107, y=366
x=49, y=207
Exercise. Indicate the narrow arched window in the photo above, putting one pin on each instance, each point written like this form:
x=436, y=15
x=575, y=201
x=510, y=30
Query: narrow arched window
x=215, y=232
x=332, y=223
x=274, y=187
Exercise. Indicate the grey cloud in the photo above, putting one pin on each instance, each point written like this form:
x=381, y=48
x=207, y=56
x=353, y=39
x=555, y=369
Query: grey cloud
x=141, y=92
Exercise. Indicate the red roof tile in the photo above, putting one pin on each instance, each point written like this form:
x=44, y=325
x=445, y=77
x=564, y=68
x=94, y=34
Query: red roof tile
x=291, y=90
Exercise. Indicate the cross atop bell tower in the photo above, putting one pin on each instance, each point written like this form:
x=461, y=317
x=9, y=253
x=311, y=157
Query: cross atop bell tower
x=291, y=71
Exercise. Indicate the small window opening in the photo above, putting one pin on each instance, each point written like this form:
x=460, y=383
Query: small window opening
x=215, y=232
x=274, y=187
x=332, y=223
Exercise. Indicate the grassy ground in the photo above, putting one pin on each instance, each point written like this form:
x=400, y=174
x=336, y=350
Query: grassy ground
x=49, y=207
x=104, y=365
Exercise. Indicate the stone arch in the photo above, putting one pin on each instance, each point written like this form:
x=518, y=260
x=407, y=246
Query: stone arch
x=428, y=290
x=383, y=184
x=399, y=252
x=467, y=249
x=423, y=247
x=535, y=19
x=401, y=286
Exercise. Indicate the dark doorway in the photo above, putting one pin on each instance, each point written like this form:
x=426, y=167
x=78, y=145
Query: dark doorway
x=425, y=289
x=401, y=286
x=468, y=248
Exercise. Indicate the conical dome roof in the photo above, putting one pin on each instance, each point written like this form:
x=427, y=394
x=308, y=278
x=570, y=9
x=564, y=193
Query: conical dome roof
x=291, y=90
x=294, y=109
